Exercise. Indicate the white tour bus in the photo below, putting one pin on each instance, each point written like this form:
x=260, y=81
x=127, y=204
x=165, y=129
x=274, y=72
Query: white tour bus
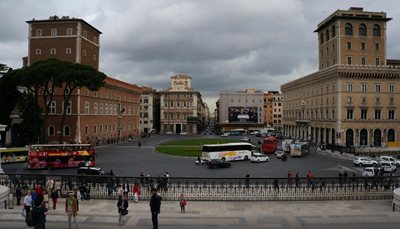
x=228, y=151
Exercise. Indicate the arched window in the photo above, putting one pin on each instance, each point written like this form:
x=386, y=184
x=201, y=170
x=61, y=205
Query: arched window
x=362, y=30
x=348, y=29
x=50, y=130
x=376, y=30
x=86, y=109
x=333, y=31
x=95, y=129
x=101, y=128
x=101, y=109
x=106, y=108
x=391, y=135
x=95, y=108
x=321, y=38
x=327, y=35
x=66, y=131
x=86, y=130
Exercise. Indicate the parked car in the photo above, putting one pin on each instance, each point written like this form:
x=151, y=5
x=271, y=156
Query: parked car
x=183, y=133
x=369, y=172
x=279, y=154
x=245, y=139
x=259, y=157
x=218, y=163
x=388, y=166
x=389, y=159
x=364, y=161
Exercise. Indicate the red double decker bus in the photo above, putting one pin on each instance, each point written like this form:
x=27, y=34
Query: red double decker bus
x=269, y=145
x=60, y=156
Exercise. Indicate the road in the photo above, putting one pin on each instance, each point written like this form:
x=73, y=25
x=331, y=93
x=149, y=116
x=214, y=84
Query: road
x=127, y=159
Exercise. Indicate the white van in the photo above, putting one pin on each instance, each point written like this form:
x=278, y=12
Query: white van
x=389, y=159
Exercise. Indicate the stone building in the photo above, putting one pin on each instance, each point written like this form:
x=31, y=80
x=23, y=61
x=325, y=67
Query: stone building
x=111, y=113
x=181, y=107
x=353, y=99
x=149, y=110
x=273, y=109
x=241, y=110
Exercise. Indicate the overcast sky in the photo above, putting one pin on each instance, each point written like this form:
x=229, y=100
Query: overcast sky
x=222, y=44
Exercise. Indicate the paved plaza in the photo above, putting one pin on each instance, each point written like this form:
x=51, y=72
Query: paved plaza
x=233, y=215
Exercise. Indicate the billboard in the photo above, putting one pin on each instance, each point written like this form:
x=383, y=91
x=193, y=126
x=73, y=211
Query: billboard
x=243, y=115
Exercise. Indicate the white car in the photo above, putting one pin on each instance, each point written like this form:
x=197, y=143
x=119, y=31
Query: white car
x=225, y=135
x=388, y=167
x=245, y=139
x=364, y=161
x=369, y=172
x=259, y=157
x=279, y=154
x=183, y=133
x=389, y=159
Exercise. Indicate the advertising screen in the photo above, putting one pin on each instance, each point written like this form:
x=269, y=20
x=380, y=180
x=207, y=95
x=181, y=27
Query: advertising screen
x=243, y=115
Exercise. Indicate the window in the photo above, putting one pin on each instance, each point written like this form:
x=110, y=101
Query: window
x=363, y=100
x=94, y=57
x=53, y=51
x=391, y=88
x=50, y=131
x=349, y=113
x=349, y=100
x=362, y=46
x=86, y=130
x=69, y=31
x=348, y=45
x=333, y=31
x=66, y=131
x=349, y=60
x=327, y=34
x=348, y=29
x=84, y=34
x=68, y=107
x=376, y=31
x=377, y=114
x=84, y=52
x=68, y=51
x=391, y=115
x=377, y=61
x=363, y=88
x=95, y=39
x=39, y=32
x=376, y=46
x=38, y=52
x=95, y=129
x=377, y=88
x=391, y=101
x=321, y=38
x=52, y=107
x=349, y=87
x=101, y=108
x=53, y=32
x=364, y=114
x=377, y=101
x=95, y=108
x=363, y=30
x=106, y=108
x=363, y=61
x=86, y=108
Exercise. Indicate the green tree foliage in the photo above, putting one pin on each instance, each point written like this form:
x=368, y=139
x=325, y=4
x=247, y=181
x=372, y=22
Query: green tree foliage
x=32, y=122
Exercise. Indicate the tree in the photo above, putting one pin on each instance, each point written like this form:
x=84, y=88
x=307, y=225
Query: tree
x=77, y=76
x=32, y=121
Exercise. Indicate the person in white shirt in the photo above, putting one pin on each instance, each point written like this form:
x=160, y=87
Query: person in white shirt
x=27, y=204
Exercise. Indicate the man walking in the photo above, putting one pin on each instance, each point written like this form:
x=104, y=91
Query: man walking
x=155, y=205
x=71, y=208
x=27, y=205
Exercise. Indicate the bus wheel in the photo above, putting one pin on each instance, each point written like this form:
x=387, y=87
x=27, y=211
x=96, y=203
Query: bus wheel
x=246, y=158
x=49, y=166
x=223, y=159
x=81, y=165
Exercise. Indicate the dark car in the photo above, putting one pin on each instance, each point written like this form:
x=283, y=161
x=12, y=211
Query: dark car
x=217, y=163
x=90, y=171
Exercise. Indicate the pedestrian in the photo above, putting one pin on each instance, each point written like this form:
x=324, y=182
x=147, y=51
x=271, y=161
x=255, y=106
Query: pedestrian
x=199, y=160
x=155, y=205
x=39, y=212
x=120, y=192
x=166, y=177
x=276, y=184
x=296, y=179
x=125, y=188
x=18, y=194
x=142, y=179
x=46, y=198
x=140, y=144
x=247, y=180
x=71, y=208
x=340, y=178
x=289, y=176
x=310, y=176
x=122, y=210
x=27, y=205
x=136, y=192
x=54, y=196
x=57, y=186
x=182, y=202
x=49, y=185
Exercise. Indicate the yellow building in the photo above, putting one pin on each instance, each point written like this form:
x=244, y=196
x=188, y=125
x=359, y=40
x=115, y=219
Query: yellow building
x=352, y=100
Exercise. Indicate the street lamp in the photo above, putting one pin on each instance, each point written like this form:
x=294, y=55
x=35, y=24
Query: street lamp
x=2, y=128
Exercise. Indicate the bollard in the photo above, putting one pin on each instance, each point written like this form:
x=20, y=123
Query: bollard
x=10, y=201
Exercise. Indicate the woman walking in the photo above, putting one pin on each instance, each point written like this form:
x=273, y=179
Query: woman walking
x=122, y=210
x=182, y=202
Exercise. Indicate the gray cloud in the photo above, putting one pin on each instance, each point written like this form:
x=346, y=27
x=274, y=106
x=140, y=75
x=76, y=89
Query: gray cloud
x=222, y=44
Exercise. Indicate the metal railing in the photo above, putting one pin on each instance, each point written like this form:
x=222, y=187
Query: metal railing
x=219, y=189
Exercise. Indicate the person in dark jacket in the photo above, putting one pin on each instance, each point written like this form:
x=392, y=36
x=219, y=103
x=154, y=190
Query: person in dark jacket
x=18, y=194
x=155, y=205
x=39, y=212
x=122, y=210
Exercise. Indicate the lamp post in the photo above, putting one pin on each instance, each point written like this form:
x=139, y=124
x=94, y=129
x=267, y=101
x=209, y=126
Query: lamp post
x=2, y=128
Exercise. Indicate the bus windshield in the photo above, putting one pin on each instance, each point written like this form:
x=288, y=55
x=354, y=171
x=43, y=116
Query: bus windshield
x=228, y=151
x=60, y=156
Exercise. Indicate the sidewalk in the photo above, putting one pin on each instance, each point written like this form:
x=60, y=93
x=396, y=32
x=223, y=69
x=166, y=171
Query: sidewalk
x=233, y=215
